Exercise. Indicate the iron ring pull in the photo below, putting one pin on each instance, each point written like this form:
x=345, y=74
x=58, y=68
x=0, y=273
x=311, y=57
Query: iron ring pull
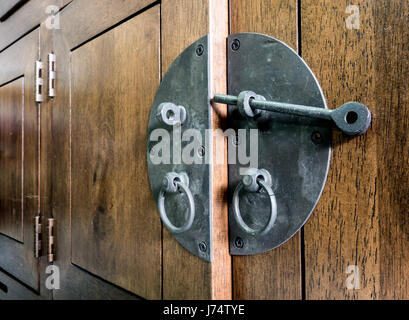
x=172, y=183
x=250, y=183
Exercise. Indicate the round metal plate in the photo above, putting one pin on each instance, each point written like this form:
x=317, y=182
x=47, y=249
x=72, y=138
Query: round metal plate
x=295, y=150
x=185, y=84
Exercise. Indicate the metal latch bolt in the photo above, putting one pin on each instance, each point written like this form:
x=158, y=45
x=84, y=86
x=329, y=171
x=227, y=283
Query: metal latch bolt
x=352, y=118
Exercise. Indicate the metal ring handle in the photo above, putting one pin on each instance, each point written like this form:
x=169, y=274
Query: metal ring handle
x=273, y=210
x=164, y=216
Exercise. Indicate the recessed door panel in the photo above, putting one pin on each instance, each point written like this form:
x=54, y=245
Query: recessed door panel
x=11, y=147
x=19, y=194
x=116, y=232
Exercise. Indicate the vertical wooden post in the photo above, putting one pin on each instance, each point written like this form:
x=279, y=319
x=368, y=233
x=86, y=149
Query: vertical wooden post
x=45, y=155
x=342, y=236
x=392, y=127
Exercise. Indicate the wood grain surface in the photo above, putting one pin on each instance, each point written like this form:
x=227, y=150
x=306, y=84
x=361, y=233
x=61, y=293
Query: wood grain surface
x=343, y=231
x=116, y=232
x=91, y=17
x=222, y=280
x=391, y=55
x=276, y=274
x=10, y=289
x=116, y=237
x=46, y=160
x=17, y=65
x=364, y=208
x=11, y=159
x=27, y=18
x=6, y=6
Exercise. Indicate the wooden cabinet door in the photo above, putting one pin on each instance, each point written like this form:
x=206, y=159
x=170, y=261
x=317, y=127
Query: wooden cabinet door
x=109, y=241
x=19, y=197
x=84, y=163
x=359, y=52
x=108, y=230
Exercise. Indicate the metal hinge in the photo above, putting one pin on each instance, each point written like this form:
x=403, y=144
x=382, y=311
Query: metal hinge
x=39, y=81
x=50, y=253
x=51, y=74
x=37, y=237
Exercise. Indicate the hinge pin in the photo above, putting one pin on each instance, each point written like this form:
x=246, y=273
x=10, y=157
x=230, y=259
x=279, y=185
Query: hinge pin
x=51, y=74
x=39, y=81
x=51, y=257
x=37, y=237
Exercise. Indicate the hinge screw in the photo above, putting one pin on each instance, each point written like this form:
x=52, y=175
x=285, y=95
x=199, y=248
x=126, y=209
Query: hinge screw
x=203, y=246
x=316, y=137
x=201, y=152
x=239, y=243
x=199, y=50
x=236, y=140
x=235, y=45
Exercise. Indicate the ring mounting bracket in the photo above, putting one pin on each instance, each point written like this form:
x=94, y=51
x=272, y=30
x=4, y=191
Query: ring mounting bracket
x=182, y=102
x=295, y=150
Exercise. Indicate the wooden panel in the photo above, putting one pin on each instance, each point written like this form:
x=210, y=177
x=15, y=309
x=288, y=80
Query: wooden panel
x=222, y=279
x=276, y=18
x=10, y=289
x=18, y=61
x=116, y=231
x=11, y=134
x=90, y=17
x=124, y=261
x=276, y=274
x=6, y=6
x=185, y=276
x=25, y=19
x=392, y=127
x=344, y=229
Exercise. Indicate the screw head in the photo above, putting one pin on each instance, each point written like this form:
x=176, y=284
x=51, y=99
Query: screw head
x=236, y=140
x=316, y=137
x=165, y=182
x=201, y=152
x=235, y=45
x=247, y=180
x=239, y=243
x=203, y=246
x=199, y=50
